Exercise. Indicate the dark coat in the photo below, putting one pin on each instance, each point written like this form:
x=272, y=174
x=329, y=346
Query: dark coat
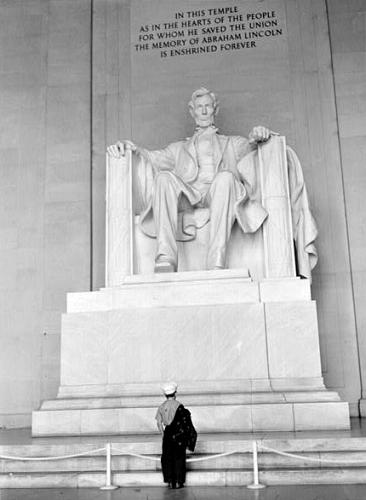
x=181, y=430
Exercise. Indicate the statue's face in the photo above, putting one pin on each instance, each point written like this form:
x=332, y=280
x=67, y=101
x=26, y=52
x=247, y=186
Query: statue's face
x=203, y=111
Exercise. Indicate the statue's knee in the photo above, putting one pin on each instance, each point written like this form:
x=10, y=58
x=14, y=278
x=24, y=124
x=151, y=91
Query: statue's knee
x=225, y=178
x=163, y=179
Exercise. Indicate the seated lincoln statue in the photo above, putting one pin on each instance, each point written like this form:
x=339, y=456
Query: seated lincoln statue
x=204, y=171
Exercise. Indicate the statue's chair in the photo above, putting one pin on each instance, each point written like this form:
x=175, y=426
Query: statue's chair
x=268, y=253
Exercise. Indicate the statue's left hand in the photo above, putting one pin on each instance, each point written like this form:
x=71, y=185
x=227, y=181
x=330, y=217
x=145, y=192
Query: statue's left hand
x=259, y=134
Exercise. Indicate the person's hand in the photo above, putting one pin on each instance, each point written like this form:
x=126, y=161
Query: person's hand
x=259, y=134
x=118, y=150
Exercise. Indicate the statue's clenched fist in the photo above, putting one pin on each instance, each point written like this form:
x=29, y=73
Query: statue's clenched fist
x=259, y=134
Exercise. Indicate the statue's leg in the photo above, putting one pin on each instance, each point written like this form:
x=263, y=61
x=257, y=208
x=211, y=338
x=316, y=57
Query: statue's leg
x=166, y=195
x=221, y=198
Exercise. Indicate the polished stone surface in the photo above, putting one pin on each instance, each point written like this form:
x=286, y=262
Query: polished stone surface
x=162, y=343
x=230, y=418
x=24, y=436
x=215, y=333
x=198, y=288
x=241, y=336
x=190, y=288
x=349, y=76
x=307, y=492
x=340, y=454
x=145, y=331
x=44, y=191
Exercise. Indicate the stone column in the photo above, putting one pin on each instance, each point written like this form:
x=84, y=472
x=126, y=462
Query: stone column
x=279, y=259
x=119, y=220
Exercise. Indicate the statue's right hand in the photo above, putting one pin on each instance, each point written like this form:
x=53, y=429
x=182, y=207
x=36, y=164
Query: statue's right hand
x=118, y=150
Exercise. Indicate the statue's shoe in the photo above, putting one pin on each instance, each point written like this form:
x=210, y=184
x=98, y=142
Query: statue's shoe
x=164, y=266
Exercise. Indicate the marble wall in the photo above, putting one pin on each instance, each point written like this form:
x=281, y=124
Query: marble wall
x=55, y=105
x=45, y=190
x=348, y=41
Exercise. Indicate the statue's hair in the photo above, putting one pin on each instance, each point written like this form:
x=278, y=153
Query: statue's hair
x=201, y=92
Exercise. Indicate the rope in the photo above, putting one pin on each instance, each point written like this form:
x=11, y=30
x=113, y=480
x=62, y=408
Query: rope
x=137, y=455
x=61, y=457
x=311, y=459
x=200, y=459
x=157, y=459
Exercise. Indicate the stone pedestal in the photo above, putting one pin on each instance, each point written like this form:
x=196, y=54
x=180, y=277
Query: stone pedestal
x=245, y=355
x=244, y=352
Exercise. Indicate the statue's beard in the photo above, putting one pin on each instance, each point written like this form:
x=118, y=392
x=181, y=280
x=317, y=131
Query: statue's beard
x=205, y=122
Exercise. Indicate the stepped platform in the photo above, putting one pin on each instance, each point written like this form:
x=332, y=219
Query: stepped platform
x=245, y=355
x=212, y=412
x=345, y=451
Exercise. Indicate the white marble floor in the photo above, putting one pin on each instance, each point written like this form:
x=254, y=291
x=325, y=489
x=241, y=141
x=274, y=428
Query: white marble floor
x=336, y=492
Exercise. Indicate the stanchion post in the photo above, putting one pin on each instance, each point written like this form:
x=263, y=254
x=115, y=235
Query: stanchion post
x=108, y=469
x=255, y=485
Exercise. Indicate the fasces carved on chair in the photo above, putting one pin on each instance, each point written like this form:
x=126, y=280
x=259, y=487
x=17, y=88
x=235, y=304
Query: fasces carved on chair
x=206, y=185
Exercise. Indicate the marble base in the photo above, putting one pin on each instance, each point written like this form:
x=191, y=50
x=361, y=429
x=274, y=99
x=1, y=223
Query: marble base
x=342, y=450
x=227, y=286
x=245, y=355
x=271, y=412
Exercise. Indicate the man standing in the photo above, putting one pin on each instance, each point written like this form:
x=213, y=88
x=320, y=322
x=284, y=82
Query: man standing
x=174, y=423
x=201, y=171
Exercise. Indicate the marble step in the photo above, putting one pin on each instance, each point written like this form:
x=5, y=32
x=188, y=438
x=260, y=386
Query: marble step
x=191, y=400
x=239, y=461
x=235, y=470
x=207, y=478
x=230, y=286
x=194, y=478
x=292, y=416
x=326, y=448
x=319, y=442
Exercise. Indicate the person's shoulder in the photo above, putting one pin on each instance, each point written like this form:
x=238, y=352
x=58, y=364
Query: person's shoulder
x=163, y=405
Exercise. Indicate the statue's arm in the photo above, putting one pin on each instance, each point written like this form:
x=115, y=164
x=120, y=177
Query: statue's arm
x=242, y=146
x=160, y=159
x=246, y=155
x=145, y=165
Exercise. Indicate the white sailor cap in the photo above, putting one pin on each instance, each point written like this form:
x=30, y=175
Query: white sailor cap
x=169, y=388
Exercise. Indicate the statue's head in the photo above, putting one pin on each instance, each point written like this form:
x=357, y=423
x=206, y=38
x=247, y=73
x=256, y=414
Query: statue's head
x=203, y=106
